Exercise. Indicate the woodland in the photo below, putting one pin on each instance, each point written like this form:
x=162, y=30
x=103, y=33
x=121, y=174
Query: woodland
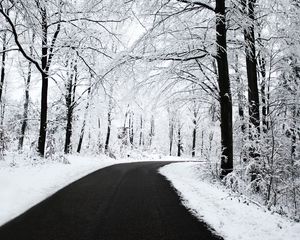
x=213, y=80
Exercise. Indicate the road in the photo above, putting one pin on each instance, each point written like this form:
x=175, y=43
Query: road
x=128, y=201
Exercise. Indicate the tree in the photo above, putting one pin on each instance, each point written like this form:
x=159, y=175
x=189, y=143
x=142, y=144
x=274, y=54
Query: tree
x=195, y=113
x=72, y=79
x=225, y=92
x=171, y=115
x=179, y=139
x=251, y=65
x=109, y=120
x=87, y=105
x=152, y=130
x=27, y=81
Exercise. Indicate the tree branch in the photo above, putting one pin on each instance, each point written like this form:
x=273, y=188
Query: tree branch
x=15, y=34
x=86, y=19
x=204, y=5
x=51, y=53
x=167, y=58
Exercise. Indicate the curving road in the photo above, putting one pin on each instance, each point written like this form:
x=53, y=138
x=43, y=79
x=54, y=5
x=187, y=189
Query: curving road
x=123, y=202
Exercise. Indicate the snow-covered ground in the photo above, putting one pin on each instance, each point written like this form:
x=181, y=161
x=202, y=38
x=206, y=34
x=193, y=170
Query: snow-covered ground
x=226, y=214
x=25, y=184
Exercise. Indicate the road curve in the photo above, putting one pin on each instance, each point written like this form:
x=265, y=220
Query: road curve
x=128, y=201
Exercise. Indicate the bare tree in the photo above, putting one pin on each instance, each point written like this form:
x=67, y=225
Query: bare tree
x=27, y=81
x=72, y=79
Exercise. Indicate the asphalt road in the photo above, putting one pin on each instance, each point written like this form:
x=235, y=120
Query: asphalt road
x=123, y=202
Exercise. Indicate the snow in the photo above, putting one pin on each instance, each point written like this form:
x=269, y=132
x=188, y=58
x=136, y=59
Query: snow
x=230, y=217
x=145, y=156
x=24, y=185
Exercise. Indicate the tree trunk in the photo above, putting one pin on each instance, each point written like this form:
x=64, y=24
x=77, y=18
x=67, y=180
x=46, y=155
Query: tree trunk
x=225, y=93
x=84, y=121
x=47, y=55
x=253, y=96
x=108, y=132
x=44, y=92
x=179, y=143
x=26, y=101
x=152, y=130
x=43, y=117
x=141, y=131
x=131, y=133
x=110, y=106
x=70, y=100
x=194, y=138
x=3, y=61
x=69, y=117
x=68, y=145
x=241, y=107
x=2, y=105
x=171, y=132
x=99, y=140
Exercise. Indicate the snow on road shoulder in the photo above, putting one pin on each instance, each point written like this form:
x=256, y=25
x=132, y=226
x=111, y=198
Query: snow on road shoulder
x=25, y=185
x=230, y=218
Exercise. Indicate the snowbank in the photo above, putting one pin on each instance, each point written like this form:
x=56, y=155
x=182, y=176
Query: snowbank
x=24, y=185
x=227, y=215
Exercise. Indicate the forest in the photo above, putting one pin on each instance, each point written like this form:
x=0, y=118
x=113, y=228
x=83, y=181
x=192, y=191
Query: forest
x=217, y=81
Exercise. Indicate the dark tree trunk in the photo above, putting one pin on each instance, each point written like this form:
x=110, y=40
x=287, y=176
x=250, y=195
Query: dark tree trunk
x=108, y=132
x=3, y=61
x=47, y=55
x=69, y=117
x=26, y=101
x=106, y=147
x=2, y=105
x=152, y=130
x=171, y=133
x=44, y=92
x=179, y=143
x=43, y=118
x=81, y=137
x=253, y=96
x=70, y=100
x=68, y=145
x=141, y=131
x=84, y=122
x=131, y=133
x=225, y=93
x=194, y=138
